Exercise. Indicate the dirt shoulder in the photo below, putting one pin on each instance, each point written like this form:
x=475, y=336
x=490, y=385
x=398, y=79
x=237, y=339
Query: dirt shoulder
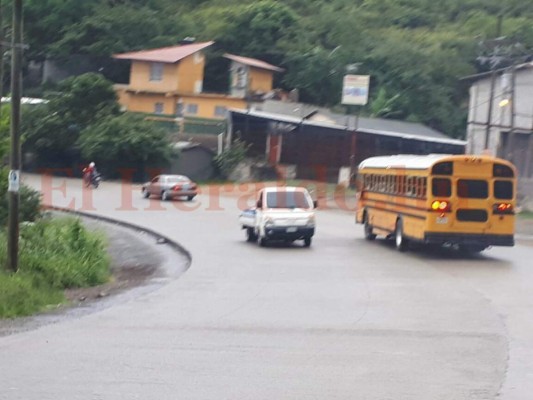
x=138, y=265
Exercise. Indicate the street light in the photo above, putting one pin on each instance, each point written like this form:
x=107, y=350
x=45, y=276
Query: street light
x=504, y=103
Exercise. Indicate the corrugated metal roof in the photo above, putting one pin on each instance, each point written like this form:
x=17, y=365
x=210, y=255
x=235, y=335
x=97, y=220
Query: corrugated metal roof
x=252, y=62
x=364, y=124
x=170, y=54
x=404, y=130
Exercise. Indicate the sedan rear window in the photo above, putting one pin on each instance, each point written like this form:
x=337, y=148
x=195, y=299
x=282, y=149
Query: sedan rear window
x=287, y=200
x=176, y=179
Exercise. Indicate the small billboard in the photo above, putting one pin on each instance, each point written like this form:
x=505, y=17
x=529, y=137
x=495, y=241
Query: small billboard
x=355, y=89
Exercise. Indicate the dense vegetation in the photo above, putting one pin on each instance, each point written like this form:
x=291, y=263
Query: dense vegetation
x=30, y=200
x=55, y=254
x=82, y=122
x=415, y=50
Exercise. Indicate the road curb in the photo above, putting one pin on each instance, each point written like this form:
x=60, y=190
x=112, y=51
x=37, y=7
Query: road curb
x=160, y=239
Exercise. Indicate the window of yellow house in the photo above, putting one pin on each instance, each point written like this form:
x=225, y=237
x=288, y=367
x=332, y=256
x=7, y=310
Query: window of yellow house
x=191, y=109
x=158, y=108
x=156, y=71
x=198, y=86
x=179, y=108
x=220, y=111
x=198, y=58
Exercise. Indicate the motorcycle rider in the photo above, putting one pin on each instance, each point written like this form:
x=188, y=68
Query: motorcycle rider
x=89, y=173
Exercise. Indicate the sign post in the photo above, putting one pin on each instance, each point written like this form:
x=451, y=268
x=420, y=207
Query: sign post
x=354, y=93
x=355, y=90
x=13, y=181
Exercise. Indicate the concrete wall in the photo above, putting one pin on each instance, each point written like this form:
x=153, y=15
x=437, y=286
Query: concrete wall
x=196, y=163
x=501, y=118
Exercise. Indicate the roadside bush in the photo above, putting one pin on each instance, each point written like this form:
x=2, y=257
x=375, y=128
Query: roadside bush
x=29, y=203
x=64, y=253
x=55, y=254
x=23, y=294
x=230, y=158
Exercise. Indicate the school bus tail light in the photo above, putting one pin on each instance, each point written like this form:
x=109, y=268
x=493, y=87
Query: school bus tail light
x=441, y=206
x=503, y=208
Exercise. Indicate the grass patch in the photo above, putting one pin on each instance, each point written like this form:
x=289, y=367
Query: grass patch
x=525, y=214
x=54, y=254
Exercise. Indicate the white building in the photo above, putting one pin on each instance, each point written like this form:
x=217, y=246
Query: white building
x=508, y=132
x=500, y=121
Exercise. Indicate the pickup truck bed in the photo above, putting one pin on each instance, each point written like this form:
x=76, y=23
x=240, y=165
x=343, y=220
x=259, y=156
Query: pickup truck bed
x=247, y=218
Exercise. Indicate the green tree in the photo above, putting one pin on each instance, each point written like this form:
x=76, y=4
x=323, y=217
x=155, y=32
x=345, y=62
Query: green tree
x=316, y=74
x=46, y=21
x=51, y=131
x=260, y=30
x=85, y=98
x=119, y=28
x=125, y=141
x=5, y=132
x=415, y=50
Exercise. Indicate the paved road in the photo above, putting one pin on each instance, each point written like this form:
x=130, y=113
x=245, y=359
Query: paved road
x=344, y=319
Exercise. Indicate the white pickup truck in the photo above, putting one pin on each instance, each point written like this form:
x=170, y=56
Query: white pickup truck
x=281, y=213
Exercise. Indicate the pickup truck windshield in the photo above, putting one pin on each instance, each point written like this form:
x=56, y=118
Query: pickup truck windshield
x=287, y=200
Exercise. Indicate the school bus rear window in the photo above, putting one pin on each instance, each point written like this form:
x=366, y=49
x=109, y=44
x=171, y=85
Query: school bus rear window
x=503, y=190
x=443, y=168
x=502, y=171
x=472, y=189
x=441, y=187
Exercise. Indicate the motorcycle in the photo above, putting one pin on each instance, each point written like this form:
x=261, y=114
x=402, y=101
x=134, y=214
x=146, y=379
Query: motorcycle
x=93, y=180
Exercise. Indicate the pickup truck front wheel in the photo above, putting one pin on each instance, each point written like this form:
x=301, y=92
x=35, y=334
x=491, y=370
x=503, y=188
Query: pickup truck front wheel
x=307, y=242
x=263, y=241
x=250, y=235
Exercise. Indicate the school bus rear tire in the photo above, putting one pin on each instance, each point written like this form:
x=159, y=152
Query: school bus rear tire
x=399, y=239
x=369, y=233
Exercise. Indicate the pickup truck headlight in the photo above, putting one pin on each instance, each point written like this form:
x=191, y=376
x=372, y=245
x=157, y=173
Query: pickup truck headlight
x=311, y=221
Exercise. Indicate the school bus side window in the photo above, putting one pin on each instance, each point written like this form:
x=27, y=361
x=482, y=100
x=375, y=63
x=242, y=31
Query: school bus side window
x=410, y=186
x=381, y=187
x=422, y=187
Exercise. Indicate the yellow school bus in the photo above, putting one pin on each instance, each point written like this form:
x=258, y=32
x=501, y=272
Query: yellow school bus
x=464, y=201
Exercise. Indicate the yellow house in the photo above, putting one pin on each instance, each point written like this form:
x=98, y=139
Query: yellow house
x=250, y=77
x=168, y=82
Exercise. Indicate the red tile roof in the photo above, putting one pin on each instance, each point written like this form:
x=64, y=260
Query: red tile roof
x=170, y=55
x=252, y=62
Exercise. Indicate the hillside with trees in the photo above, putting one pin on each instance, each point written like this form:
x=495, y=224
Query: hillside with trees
x=415, y=50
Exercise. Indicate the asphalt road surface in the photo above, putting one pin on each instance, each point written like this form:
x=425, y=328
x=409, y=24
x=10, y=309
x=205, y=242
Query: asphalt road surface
x=344, y=319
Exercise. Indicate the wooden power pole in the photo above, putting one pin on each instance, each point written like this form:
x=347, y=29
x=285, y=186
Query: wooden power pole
x=14, y=162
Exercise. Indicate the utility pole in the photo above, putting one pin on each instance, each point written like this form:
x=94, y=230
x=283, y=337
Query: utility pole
x=2, y=38
x=488, y=126
x=14, y=162
x=510, y=148
x=493, y=77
